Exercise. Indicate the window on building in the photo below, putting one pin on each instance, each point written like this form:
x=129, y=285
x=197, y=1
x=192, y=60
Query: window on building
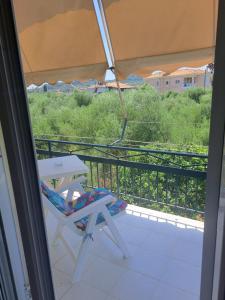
x=167, y=82
x=187, y=81
x=177, y=81
x=195, y=80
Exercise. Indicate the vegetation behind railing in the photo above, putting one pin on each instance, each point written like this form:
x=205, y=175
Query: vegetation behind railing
x=164, y=180
x=166, y=118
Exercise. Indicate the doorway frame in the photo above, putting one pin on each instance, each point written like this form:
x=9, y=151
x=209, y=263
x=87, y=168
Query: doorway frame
x=209, y=288
x=19, y=144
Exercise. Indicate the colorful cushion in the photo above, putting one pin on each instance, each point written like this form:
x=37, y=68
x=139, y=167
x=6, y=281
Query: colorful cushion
x=67, y=208
x=88, y=198
x=114, y=208
x=57, y=200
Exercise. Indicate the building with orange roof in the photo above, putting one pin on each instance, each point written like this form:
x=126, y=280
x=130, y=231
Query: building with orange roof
x=180, y=80
x=123, y=86
x=110, y=86
x=156, y=79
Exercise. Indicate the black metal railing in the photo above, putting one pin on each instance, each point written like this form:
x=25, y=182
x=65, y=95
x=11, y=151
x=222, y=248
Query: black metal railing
x=165, y=180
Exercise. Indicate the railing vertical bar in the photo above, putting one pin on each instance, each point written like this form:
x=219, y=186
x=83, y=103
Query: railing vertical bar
x=54, y=181
x=111, y=177
x=177, y=185
x=117, y=181
x=186, y=193
x=189, y=193
x=140, y=182
x=125, y=180
x=92, y=185
x=149, y=187
x=196, y=194
x=175, y=191
x=167, y=199
x=50, y=149
x=132, y=182
x=97, y=174
x=157, y=186
x=103, y=170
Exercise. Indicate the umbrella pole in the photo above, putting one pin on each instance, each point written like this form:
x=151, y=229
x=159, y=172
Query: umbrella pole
x=111, y=63
x=123, y=106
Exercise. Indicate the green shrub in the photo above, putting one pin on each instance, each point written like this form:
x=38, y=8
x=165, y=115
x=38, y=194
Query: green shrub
x=195, y=94
x=83, y=98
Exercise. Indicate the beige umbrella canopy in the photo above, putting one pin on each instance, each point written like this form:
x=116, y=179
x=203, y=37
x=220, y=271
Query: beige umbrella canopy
x=61, y=40
x=171, y=63
x=148, y=35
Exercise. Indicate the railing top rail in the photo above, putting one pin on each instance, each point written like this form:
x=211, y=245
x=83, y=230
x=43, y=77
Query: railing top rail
x=168, y=152
x=131, y=164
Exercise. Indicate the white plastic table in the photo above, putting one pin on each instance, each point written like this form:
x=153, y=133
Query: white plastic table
x=61, y=167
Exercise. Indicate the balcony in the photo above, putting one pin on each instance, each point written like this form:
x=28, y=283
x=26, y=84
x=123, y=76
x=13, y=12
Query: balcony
x=165, y=260
x=165, y=246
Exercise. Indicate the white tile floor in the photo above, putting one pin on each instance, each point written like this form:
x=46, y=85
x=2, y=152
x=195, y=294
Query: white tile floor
x=165, y=260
